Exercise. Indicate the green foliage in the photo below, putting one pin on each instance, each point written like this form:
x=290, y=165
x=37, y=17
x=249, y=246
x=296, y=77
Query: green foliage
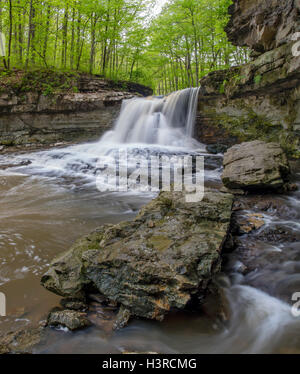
x=188, y=41
x=231, y=79
x=257, y=79
x=44, y=81
x=223, y=86
x=119, y=40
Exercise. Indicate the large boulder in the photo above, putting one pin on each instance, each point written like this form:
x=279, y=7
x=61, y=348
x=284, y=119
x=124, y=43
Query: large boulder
x=255, y=165
x=161, y=260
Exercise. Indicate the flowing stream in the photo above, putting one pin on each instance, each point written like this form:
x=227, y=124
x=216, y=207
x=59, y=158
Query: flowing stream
x=48, y=199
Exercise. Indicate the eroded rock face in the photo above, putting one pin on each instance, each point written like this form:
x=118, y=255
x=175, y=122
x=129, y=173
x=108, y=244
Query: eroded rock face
x=160, y=261
x=263, y=25
x=37, y=119
x=260, y=99
x=29, y=118
x=255, y=165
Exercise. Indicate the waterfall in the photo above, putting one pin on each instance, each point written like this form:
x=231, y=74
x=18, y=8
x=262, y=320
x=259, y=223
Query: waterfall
x=145, y=126
x=165, y=121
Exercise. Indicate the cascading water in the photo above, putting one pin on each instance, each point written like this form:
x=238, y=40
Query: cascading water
x=46, y=204
x=167, y=121
x=144, y=126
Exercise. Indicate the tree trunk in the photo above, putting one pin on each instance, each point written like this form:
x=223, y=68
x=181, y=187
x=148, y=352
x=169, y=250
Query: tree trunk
x=10, y=33
x=1, y=39
x=29, y=33
x=64, y=39
x=72, y=39
x=93, y=44
x=46, y=33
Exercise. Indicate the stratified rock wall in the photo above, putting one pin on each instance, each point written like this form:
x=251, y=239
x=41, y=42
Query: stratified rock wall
x=259, y=100
x=263, y=25
x=160, y=261
x=32, y=117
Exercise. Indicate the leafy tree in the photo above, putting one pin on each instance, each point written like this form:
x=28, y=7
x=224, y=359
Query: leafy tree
x=120, y=39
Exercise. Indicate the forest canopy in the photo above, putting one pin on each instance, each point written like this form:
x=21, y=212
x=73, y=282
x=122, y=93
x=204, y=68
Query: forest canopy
x=121, y=39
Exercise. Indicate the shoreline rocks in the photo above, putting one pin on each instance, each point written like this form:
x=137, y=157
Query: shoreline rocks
x=21, y=341
x=254, y=166
x=71, y=319
x=149, y=269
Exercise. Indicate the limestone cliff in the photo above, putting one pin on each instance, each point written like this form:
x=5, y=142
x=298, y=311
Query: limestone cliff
x=262, y=25
x=259, y=100
x=81, y=109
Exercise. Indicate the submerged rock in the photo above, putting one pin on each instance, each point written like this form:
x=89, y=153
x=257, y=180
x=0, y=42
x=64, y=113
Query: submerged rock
x=248, y=222
x=161, y=260
x=21, y=341
x=216, y=148
x=104, y=317
x=123, y=318
x=74, y=304
x=22, y=163
x=71, y=319
x=255, y=165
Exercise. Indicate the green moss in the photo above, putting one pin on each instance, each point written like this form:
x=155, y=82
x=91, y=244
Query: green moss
x=257, y=79
x=43, y=81
x=160, y=242
x=230, y=80
x=253, y=126
x=223, y=86
x=7, y=142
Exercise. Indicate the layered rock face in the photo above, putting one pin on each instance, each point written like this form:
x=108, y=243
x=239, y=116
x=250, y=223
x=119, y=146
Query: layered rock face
x=259, y=100
x=160, y=261
x=262, y=25
x=255, y=165
x=35, y=118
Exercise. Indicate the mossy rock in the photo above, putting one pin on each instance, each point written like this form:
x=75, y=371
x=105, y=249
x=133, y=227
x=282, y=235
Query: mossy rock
x=160, y=261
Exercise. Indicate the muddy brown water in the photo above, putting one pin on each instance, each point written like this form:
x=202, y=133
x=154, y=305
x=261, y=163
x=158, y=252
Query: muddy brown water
x=44, y=210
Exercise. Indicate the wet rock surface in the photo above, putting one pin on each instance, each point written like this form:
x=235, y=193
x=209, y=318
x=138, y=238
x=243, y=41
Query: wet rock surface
x=74, y=304
x=265, y=250
x=217, y=148
x=21, y=341
x=160, y=261
x=255, y=165
x=71, y=319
